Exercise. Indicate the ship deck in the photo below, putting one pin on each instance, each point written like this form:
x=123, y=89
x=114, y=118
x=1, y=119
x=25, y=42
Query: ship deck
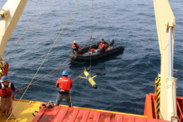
x=26, y=110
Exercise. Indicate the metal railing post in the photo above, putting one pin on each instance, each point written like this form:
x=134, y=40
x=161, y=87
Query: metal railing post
x=170, y=52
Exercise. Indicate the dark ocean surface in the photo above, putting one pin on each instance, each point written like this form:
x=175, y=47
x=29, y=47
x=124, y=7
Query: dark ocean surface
x=123, y=80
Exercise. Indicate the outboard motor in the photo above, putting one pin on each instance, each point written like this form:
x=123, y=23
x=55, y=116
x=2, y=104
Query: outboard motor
x=111, y=42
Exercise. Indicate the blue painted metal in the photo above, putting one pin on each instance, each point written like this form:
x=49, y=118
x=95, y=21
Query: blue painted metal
x=170, y=52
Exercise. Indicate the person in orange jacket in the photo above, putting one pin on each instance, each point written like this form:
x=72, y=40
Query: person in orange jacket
x=64, y=84
x=101, y=41
x=99, y=44
x=6, y=88
x=102, y=47
x=75, y=46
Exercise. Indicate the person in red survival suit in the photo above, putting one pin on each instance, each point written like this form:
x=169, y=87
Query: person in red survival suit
x=6, y=88
x=75, y=46
x=101, y=42
x=64, y=84
x=103, y=47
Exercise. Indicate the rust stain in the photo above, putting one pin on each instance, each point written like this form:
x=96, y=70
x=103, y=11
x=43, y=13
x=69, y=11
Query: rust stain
x=105, y=115
x=79, y=118
x=113, y=116
x=68, y=113
x=90, y=118
x=46, y=118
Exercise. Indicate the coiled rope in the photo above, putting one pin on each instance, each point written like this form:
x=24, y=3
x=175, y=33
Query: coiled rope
x=43, y=61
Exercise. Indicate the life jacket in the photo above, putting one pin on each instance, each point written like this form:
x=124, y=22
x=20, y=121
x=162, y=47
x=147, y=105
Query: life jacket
x=6, y=92
x=75, y=46
x=65, y=83
x=92, y=50
x=103, y=47
x=100, y=44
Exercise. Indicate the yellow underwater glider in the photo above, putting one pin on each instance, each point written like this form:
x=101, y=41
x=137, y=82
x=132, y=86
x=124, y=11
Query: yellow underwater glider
x=90, y=79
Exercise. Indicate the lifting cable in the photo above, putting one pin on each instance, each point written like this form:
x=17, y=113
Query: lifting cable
x=55, y=69
x=49, y=81
x=30, y=26
x=46, y=83
x=43, y=61
x=66, y=60
x=56, y=75
x=91, y=34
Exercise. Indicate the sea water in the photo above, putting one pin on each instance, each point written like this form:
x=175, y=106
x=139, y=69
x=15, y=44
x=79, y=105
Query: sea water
x=123, y=79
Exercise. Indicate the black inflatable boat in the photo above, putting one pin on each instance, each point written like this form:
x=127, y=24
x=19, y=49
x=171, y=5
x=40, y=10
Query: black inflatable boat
x=85, y=55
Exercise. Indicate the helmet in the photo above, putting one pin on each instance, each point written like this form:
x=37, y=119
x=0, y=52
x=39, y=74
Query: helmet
x=64, y=73
x=102, y=40
x=74, y=41
x=4, y=79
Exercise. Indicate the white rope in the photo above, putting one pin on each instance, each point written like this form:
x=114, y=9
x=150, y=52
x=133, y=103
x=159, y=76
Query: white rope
x=91, y=34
